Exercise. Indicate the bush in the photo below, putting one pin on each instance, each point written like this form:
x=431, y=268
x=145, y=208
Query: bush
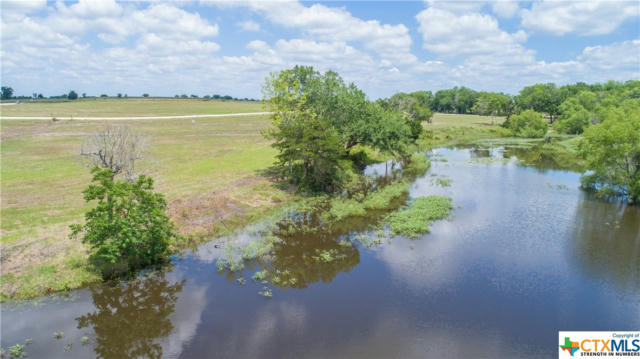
x=128, y=229
x=528, y=124
x=575, y=123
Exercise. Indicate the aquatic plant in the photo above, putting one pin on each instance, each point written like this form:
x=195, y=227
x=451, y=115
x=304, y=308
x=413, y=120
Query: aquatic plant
x=58, y=335
x=266, y=292
x=444, y=182
x=415, y=220
x=84, y=340
x=241, y=281
x=68, y=347
x=259, y=276
x=16, y=351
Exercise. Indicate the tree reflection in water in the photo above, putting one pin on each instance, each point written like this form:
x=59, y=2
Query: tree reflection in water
x=131, y=316
x=607, y=235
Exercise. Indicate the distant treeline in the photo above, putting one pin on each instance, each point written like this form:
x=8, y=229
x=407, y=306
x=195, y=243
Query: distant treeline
x=574, y=106
x=7, y=94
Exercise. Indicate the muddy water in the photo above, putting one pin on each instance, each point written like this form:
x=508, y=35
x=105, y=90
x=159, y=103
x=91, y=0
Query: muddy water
x=525, y=254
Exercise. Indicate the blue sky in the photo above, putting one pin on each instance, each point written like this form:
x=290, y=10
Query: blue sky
x=207, y=47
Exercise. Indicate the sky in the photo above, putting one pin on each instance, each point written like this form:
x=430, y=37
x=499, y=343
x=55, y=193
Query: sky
x=207, y=47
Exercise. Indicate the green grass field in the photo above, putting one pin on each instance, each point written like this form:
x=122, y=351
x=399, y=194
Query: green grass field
x=208, y=169
x=113, y=107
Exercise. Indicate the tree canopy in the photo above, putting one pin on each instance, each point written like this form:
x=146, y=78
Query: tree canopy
x=611, y=150
x=317, y=119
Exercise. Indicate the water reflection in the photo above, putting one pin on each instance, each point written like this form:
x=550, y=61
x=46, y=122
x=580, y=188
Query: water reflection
x=130, y=318
x=607, y=240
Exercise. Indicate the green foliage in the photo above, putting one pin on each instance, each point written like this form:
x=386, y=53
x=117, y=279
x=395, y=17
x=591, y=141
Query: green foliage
x=415, y=220
x=574, y=118
x=7, y=92
x=541, y=98
x=528, y=124
x=128, y=229
x=414, y=110
x=316, y=120
x=16, y=351
x=418, y=164
x=611, y=151
x=457, y=99
x=492, y=104
x=72, y=95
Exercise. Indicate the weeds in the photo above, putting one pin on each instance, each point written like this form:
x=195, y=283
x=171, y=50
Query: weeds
x=415, y=220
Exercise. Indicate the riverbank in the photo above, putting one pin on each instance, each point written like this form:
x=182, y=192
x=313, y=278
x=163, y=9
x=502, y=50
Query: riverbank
x=211, y=171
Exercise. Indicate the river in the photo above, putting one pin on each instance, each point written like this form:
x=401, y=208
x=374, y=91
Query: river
x=525, y=254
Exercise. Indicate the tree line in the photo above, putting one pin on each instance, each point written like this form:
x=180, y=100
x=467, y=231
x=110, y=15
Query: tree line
x=8, y=94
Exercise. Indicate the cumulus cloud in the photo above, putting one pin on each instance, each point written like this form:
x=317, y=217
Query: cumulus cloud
x=248, y=25
x=450, y=34
x=165, y=48
x=594, y=17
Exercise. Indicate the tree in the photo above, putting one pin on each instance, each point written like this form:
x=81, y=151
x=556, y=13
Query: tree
x=309, y=148
x=84, y=95
x=40, y=95
x=104, y=95
x=115, y=148
x=7, y=93
x=128, y=229
x=541, y=98
x=528, y=124
x=611, y=150
x=72, y=95
x=145, y=95
x=119, y=95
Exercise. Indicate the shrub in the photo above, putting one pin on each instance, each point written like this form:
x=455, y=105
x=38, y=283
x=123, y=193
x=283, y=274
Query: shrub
x=128, y=229
x=528, y=124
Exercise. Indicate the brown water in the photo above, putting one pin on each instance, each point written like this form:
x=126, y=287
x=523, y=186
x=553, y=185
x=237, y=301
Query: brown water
x=525, y=254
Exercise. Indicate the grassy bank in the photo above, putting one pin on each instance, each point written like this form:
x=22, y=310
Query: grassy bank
x=209, y=170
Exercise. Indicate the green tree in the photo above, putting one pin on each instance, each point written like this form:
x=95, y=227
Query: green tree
x=128, y=229
x=308, y=147
x=72, y=95
x=611, y=150
x=528, y=124
x=7, y=92
x=541, y=98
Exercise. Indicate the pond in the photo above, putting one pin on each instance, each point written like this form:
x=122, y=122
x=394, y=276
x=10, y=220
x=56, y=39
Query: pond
x=525, y=254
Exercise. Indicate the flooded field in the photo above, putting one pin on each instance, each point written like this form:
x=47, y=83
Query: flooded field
x=525, y=254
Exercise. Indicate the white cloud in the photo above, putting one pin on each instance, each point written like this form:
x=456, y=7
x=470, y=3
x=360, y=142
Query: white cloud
x=337, y=24
x=505, y=8
x=17, y=9
x=248, y=25
x=449, y=34
x=619, y=57
x=163, y=49
x=594, y=17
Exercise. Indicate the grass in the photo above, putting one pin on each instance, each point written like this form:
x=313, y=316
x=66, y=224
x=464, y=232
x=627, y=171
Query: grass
x=208, y=171
x=415, y=220
x=113, y=107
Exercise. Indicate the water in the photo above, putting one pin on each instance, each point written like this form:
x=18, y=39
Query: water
x=525, y=254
